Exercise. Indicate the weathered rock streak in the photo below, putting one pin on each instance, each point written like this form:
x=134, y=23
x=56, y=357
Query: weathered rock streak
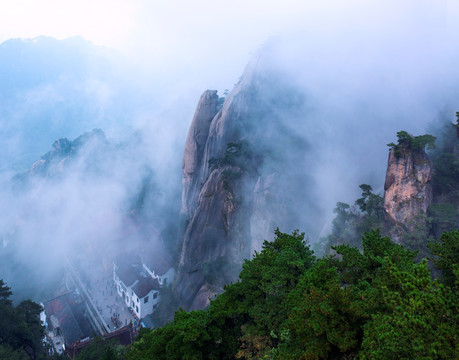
x=408, y=188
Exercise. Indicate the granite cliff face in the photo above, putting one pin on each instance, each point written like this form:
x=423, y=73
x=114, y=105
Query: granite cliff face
x=408, y=187
x=239, y=182
x=211, y=243
x=196, y=140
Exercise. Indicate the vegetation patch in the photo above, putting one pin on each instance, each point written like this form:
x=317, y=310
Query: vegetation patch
x=378, y=303
x=237, y=153
x=410, y=142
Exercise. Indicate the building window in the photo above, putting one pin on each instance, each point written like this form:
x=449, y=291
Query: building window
x=155, y=306
x=137, y=309
x=145, y=300
x=155, y=295
x=137, y=299
x=132, y=293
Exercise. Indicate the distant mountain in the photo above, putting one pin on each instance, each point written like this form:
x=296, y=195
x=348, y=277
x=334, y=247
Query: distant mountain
x=59, y=88
x=89, y=198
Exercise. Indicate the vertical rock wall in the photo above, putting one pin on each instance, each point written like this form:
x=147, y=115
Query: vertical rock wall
x=194, y=149
x=244, y=174
x=215, y=241
x=408, y=187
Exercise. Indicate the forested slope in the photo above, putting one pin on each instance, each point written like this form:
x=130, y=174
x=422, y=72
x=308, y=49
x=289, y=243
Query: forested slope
x=376, y=304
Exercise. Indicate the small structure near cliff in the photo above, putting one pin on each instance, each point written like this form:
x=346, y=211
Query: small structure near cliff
x=67, y=316
x=138, y=280
x=408, y=187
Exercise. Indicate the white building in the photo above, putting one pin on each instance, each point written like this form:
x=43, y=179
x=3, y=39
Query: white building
x=138, y=283
x=145, y=296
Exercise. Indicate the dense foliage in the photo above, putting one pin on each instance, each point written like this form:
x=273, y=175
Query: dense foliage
x=21, y=332
x=101, y=349
x=416, y=143
x=378, y=303
x=444, y=211
x=351, y=223
x=373, y=303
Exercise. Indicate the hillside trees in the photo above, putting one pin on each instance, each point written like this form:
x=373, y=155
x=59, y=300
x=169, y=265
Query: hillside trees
x=446, y=258
x=21, y=332
x=351, y=223
x=101, y=349
x=445, y=158
x=378, y=303
x=245, y=321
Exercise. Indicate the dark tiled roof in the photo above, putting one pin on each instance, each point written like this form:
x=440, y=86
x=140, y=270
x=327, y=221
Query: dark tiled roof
x=69, y=311
x=157, y=259
x=127, y=274
x=129, y=267
x=145, y=285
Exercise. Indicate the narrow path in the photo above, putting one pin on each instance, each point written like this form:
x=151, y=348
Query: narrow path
x=97, y=319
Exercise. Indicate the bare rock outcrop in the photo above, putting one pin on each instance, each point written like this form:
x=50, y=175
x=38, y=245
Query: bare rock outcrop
x=213, y=248
x=408, y=187
x=203, y=297
x=239, y=182
x=267, y=203
x=194, y=147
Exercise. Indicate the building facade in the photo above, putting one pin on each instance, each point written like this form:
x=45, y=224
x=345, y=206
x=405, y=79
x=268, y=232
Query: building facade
x=138, y=283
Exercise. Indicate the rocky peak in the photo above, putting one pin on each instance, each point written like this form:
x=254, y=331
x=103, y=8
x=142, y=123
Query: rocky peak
x=61, y=146
x=212, y=199
x=237, y=179
x=408, y=188
x=194, y=147
x=53, y=162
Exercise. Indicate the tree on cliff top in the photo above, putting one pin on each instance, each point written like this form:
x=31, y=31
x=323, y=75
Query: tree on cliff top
x=416, y=143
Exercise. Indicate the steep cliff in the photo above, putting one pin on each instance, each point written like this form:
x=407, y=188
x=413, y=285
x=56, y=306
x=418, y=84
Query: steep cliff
x=408, y=191
x=194, y=149
x=239, y=181
x=213, y=247
x=408, y=187
x=421, y=198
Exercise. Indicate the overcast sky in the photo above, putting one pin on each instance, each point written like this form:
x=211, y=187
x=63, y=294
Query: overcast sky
x=207, y=35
